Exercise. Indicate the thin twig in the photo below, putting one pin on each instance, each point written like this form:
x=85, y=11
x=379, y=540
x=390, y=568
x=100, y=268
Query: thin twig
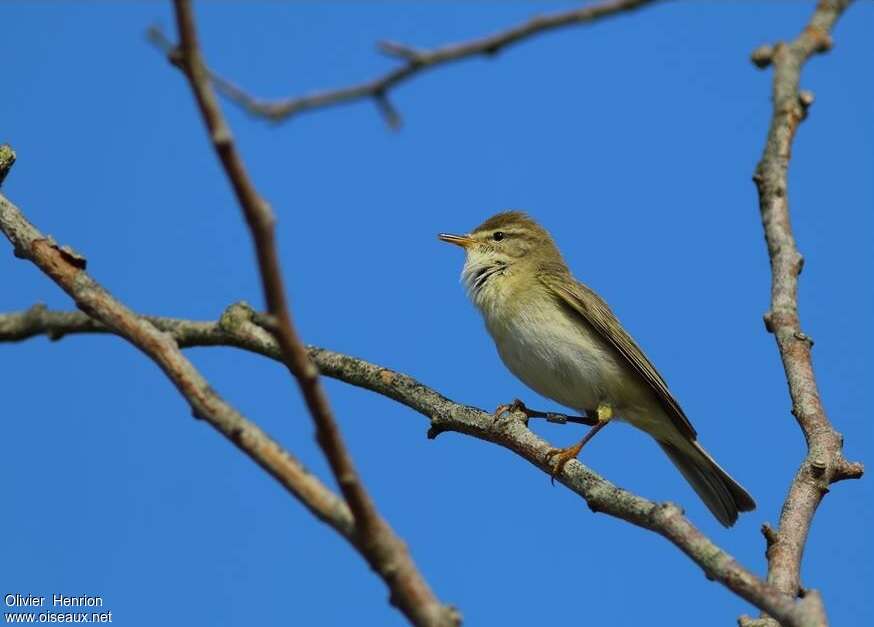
x=824, y=463
x=377, y=541
x=415, y=62
x=238, y=327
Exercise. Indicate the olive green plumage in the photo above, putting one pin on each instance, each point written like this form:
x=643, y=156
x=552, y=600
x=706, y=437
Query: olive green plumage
x=562, y=340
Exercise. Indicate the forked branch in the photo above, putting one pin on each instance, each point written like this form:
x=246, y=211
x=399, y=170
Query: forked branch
x=360, y=523
x=824, y=463
x=375, y=539
x=238, y=327
x=67, y=268
x=414, y=62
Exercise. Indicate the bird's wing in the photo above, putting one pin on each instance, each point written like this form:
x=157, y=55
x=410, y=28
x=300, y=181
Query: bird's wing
x=594, y=311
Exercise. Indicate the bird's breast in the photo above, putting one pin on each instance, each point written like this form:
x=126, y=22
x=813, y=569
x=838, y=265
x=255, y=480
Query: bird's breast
x=555, y=354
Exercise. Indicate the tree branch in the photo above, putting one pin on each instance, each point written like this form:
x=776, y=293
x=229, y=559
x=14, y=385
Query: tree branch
x=375, y=539
x=238, y=327
x=67, y=270
x=824, y=463
x=415, y=62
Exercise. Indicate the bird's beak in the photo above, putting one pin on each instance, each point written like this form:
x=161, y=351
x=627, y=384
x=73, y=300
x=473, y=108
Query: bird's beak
x=459, y=240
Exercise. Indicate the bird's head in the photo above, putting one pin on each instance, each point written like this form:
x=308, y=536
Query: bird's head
x=507, y=244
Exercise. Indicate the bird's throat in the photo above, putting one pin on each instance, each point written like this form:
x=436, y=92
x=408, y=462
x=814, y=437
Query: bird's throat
x=480, y=278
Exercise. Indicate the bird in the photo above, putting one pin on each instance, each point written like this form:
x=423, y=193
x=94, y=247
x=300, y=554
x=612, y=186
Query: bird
x=562, y=340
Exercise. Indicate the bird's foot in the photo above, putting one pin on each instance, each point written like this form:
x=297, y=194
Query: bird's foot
x=518, y=405
x=509, y=408
x=562, y=456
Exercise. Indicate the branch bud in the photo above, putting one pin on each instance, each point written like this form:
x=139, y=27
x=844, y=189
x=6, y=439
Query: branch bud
x=762, y=56
x=7, y=160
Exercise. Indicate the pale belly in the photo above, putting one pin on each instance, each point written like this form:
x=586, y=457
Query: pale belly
x=562, y=359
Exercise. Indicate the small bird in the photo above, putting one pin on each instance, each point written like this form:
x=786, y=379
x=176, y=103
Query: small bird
x=561, y=339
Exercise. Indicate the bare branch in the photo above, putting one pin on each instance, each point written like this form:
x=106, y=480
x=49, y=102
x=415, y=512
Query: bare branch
x=375, y=538
x=238, y=327
x=274, y=335
x=68, y=272
x=824, y=463
x=415, y=62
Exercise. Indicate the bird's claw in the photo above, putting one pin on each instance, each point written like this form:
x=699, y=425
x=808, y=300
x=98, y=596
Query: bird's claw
x=518, y=405
x=509, y=408
x=563, y=456
x=604, y=415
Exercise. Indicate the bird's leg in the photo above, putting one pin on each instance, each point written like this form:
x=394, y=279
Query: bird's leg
x=564, y=455
x=589, y=419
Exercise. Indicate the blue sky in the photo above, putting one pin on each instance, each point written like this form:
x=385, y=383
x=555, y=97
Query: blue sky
x=632, y=140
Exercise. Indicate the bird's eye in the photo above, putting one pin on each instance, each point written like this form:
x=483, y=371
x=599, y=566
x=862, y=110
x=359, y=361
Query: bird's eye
x=498, y=236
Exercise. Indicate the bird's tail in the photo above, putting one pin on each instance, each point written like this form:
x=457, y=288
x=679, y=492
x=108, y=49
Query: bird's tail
x=721, y=494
